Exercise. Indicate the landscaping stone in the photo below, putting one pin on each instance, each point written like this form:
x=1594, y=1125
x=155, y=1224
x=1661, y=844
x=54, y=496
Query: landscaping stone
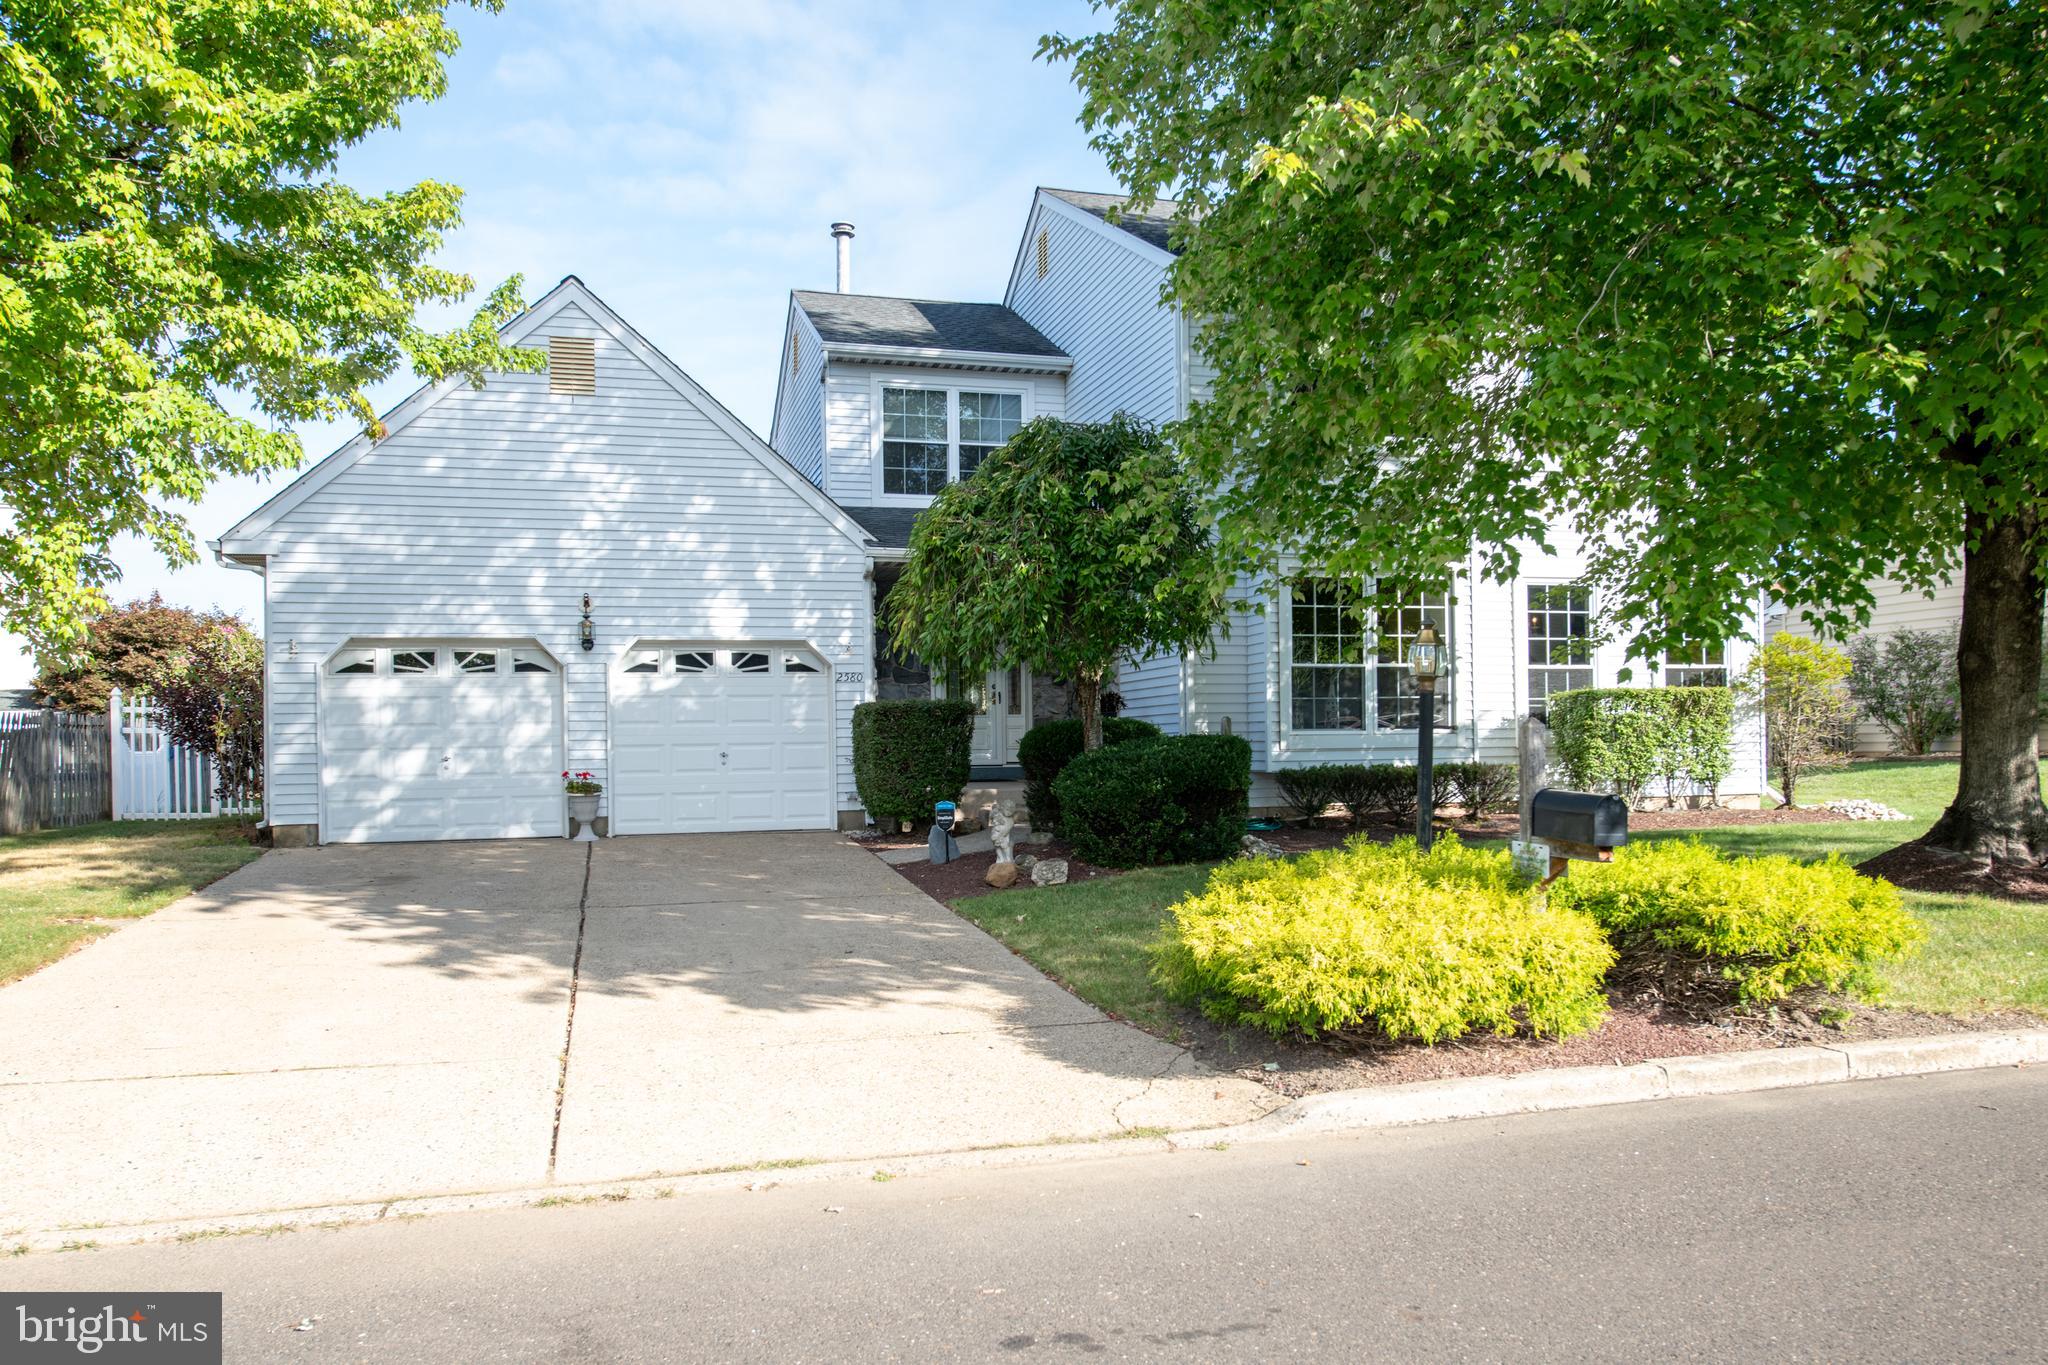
x=1252, y=846
x=1002, y=875
x=1865, y=810
x=1049, y=872
x=1025, y=861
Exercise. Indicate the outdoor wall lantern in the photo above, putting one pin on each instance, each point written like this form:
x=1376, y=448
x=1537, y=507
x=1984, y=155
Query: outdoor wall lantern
x=585, y=631
x=1426, y=660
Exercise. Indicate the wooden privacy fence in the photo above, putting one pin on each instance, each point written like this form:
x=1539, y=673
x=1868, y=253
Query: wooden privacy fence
x=56, y=769
x=154, y=779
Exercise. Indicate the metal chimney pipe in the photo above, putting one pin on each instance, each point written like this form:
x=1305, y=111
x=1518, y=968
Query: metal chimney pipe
x=843, y=233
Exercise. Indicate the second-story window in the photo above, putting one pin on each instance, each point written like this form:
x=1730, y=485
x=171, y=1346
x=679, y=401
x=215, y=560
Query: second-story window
x=914, y=443
x=987, y=421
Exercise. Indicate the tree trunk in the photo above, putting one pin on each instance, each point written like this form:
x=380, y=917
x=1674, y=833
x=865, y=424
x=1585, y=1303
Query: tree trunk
x=1088, y=697
x=1997, y=812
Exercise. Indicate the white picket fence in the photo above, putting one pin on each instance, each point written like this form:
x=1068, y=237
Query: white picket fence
x=155, y=779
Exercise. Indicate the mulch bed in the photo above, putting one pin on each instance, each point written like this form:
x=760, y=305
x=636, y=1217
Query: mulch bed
x=964, y=876
x=1917, y=867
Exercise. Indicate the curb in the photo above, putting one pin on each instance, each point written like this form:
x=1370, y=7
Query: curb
x=1585, y=1087
x=1396, y=1106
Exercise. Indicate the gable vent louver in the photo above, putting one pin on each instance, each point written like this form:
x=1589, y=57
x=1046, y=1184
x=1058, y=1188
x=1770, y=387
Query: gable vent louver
x=1044, y=254
x=794, y=338
x=572, y=365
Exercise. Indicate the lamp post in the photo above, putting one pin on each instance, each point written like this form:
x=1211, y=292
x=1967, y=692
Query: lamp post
x=1426, y=659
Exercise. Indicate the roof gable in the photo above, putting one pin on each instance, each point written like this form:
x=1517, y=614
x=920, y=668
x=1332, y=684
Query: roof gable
x=1151, y=225
x=922, y=324
x=570, y=293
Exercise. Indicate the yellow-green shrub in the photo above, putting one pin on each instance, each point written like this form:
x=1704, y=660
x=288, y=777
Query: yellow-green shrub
x=1769, y=925
x=1423, y=946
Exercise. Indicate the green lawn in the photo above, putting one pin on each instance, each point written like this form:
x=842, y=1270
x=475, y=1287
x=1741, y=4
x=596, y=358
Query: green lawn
x=1982, y=954
x=63, y=887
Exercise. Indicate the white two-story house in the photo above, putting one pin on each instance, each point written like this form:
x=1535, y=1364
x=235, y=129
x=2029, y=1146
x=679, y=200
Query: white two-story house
x=600, y=569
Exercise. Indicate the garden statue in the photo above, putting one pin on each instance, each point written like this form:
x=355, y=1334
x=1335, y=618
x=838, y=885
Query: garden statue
x=1002, y=825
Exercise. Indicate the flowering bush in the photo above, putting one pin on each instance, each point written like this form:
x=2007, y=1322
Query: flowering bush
x=580, y=784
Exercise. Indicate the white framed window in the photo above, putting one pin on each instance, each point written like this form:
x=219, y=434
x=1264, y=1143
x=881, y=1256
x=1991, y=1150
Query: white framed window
x=1560, y=639
x=439, y=660
x=987, y=422
x=799, y=663
x=356, y=661
x=643, y=661
x=932, y=435
x=1348, y=655
x=915, y=450
x=405, y=661
x=1699, y=666
x=476, y=661
x=530, y=661
x=695, y=661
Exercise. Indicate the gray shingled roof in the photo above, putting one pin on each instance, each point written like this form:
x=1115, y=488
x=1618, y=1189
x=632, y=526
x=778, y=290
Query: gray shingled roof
x=890, y=526
x=1150, y=224
x=925, y=324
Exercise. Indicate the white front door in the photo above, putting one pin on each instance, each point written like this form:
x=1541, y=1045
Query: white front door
x=720, y=737
x=438, y=740
x=1003, y=715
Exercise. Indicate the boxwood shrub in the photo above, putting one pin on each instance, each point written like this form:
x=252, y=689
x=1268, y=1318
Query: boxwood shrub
x=1049, y=746
x=910, y=755
x=1382, y=936
x=1182, y=799
x=1768, y=925
x=1481, y=788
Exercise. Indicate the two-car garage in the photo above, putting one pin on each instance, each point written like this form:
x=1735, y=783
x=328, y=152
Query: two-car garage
x=452, y=739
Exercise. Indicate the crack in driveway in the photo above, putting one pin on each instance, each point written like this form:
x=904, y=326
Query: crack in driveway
x=569, y=1027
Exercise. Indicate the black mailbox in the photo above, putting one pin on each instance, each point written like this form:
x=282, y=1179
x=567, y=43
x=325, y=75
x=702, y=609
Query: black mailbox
x=1578, y=818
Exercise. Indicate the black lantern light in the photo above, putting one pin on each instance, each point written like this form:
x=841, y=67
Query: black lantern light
x=586, y=632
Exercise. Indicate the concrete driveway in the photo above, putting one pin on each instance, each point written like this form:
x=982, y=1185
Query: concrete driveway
x=354, y=1024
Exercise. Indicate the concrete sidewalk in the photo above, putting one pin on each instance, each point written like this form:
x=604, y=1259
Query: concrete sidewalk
x=351, y=1024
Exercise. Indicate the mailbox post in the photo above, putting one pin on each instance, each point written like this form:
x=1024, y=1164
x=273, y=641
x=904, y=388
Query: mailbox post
x=1425, y=658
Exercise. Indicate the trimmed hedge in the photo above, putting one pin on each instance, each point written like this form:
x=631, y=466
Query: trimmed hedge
x=1417, y=946
x=1768, y=925
x=910, y=755
x=1622, y=739
x=1182, y=799
x=1388, y=789
x=1049, y=746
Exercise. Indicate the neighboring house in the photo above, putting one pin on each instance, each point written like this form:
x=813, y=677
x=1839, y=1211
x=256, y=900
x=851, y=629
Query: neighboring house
x=600, y=569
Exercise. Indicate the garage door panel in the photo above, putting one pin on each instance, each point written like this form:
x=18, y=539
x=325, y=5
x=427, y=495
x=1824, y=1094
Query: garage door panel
x=710, y=750
x=465, y=756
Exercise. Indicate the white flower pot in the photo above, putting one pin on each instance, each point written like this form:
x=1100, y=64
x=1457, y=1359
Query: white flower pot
x=582, y=811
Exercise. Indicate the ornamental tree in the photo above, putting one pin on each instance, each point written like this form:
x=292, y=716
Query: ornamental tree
x=1799, y=688
x=1906, y=682
x=174, y=245
x=1072, y=546
x=1751, y=298
x=210, y=700
x=124, y=647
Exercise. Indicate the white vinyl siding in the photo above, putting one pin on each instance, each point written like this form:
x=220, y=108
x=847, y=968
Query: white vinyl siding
x=493, y=511
x=1151, y=689
x=852, y=416
x=1099, y=303
x=798, y=431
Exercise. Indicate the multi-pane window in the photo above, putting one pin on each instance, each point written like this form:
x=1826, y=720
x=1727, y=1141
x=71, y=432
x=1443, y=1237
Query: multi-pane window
x=987, y=421
x=1397, y=620
x=914, y=442
x=1699, y=666
x=1350, y=655
x=412, y=661
x=1560, y=640
x=1327, y=622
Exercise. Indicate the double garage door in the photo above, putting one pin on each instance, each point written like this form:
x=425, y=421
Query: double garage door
x=438, y=740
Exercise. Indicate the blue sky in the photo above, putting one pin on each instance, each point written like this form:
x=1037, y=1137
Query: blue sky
x=685, y=159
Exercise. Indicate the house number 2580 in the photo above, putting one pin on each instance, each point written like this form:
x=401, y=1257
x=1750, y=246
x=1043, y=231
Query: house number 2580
x=846, y=677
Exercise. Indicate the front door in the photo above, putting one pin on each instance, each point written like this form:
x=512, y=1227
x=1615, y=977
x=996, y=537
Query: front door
x=1002, y=715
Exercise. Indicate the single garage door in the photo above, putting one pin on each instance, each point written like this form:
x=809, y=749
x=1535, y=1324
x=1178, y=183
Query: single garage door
x=720, y=737
x=432, y=740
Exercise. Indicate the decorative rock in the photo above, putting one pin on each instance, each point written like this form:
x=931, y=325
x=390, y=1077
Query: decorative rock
x=1864, y=810
x=1002, y=828
x=1049, y=872
x=1002, y=875
x=1252, y=846
x=1025, y=860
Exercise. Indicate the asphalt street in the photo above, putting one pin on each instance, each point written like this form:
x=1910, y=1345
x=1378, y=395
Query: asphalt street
x=1880, y=1220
